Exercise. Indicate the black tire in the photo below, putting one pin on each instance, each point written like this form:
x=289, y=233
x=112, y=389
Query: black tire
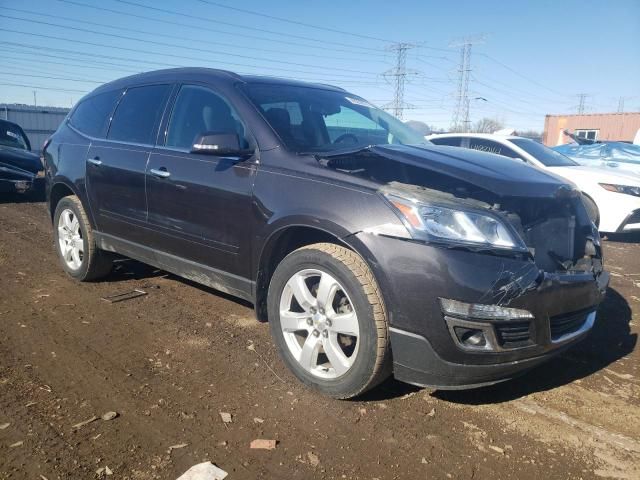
x=592, y=209
x=372, y=363
x=95, y=262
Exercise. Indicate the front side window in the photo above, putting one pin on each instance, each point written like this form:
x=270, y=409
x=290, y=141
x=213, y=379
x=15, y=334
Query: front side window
x=11, y=135
x=198, y=110
x=318, y=120
x=138, y=114
x=543, y=154
x=92, y=115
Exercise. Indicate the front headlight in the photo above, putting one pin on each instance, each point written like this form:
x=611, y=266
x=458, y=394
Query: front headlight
x=453, y=225
x=626, y=189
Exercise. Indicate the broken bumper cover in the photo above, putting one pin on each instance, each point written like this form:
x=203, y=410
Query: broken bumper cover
x=426, y=348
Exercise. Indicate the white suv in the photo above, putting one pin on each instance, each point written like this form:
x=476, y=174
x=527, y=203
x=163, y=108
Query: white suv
x=612, y=199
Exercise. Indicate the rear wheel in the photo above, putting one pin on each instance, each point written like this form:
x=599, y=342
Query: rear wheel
x=75, y=243
x=328, y=320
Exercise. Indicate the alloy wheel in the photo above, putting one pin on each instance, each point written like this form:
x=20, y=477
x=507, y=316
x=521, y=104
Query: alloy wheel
x=70, y=239
x=319, y=323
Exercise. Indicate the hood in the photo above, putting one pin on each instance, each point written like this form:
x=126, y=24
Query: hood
x=21, y=159
x=597, y=175
x=493, y=173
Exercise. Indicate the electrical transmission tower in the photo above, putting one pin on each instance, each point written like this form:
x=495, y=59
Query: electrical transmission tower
x=621, y=104
x=397, y=76
x=581, y=101
x=461, y=121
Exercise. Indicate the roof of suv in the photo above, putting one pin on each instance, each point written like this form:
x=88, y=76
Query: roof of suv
x=201, y=73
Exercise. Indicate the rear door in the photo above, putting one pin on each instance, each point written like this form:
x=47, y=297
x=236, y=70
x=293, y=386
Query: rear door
x=199, y=204
x=116, y=165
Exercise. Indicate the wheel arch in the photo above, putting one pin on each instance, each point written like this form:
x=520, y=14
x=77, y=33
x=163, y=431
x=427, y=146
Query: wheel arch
x=59, y=189
x=589, y=197
x=278, y=245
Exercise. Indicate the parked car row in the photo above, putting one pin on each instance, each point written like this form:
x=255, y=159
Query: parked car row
x=369, y=250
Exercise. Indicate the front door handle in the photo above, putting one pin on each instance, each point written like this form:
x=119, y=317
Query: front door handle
x=161, y=173
x=95, y=161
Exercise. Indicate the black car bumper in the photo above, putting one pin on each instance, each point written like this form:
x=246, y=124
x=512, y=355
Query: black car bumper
x=16, y=186
x=427, y=342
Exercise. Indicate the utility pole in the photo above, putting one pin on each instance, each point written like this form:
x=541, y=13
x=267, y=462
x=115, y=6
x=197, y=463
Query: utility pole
x=581, y=97
x=461, y=121
x=35, y=98
x=398, y=77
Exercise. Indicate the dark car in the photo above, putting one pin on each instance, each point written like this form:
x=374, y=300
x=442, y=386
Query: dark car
x=20, y=169
x=367, y=249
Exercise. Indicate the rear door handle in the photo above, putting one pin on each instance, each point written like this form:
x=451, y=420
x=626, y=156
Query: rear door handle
x=95, y=161
x=161, y=173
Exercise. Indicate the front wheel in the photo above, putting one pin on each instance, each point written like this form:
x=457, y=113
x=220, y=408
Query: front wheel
x=328, y=320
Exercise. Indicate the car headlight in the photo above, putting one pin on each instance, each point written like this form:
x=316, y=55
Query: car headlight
x=449, y=224
x=626, y=189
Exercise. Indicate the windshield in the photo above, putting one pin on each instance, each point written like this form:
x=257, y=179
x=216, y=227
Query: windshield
x=315, y=120
x=11, y=136
x=548, y=157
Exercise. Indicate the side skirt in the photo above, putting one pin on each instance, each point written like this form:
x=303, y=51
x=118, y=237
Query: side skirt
x=211, y=277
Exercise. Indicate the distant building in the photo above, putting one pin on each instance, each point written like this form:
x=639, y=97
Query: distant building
x=594, y=126
x=37, y=122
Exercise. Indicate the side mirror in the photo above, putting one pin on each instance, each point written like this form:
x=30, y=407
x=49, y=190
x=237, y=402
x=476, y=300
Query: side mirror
x=219, y=144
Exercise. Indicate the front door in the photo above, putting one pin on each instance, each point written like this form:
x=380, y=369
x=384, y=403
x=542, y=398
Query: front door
x=199, y=204
x=116, y=166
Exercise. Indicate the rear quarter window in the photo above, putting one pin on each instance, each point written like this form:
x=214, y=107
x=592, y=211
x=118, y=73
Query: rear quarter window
x=92, y=115
x=138, y=114
x=448, y=141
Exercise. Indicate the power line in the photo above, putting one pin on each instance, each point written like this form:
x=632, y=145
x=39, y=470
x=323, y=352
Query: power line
x=199, y=59
x=164, y=35
x=233, y=33
x=40, y=87
x=51, y=77
x=520, y=74
x=294, y=22
x=164, y=44
x=217, y=21
x=398, y=76
x=37, y=51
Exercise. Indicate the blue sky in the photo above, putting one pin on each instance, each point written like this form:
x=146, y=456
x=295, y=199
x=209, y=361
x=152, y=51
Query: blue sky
x=534, y=58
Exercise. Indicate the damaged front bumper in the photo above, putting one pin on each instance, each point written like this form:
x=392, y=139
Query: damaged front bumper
x=438, y=337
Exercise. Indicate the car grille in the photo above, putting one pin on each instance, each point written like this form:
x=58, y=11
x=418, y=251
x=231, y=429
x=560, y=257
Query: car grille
x=568, y=323
x=513, y=334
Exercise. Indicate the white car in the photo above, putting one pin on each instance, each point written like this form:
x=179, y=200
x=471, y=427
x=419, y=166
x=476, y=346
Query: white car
x=612, y=199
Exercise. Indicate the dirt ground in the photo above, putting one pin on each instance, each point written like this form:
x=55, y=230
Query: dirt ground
x=171, y=361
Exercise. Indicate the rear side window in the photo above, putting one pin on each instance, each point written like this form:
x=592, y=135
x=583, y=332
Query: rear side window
x=486, y=146
x=138, y=114
x=449, y=141
x=92, y=115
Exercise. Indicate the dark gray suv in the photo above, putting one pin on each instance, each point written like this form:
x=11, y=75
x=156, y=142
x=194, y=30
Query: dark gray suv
x=368, y=250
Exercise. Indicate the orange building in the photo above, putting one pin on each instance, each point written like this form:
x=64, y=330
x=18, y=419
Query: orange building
x=594, y=126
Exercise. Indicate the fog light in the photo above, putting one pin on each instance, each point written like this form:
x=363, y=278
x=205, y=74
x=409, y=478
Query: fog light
x=470, y=337
x=481, y=311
